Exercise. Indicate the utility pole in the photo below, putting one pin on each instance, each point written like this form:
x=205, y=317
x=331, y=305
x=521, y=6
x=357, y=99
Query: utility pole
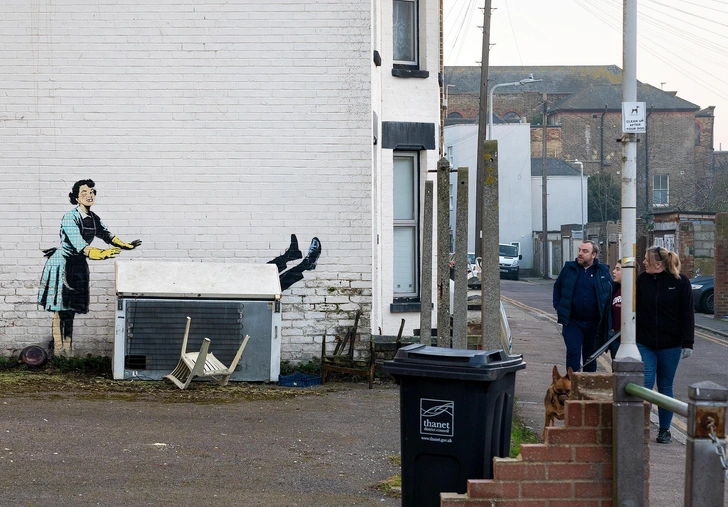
x=628, y=346
x=487, y=218
x=482, y=126
x=544, y=194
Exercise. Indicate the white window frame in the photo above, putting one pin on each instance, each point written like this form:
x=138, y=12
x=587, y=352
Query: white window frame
x=663, y=190
x=402, y=224
x=412, y=33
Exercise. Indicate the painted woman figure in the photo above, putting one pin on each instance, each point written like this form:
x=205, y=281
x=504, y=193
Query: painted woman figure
x=64, y=285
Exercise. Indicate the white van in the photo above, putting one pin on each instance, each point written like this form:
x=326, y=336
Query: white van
x=508, y=257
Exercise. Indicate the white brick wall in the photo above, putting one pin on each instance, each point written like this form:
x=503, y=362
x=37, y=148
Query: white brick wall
x=213, y=131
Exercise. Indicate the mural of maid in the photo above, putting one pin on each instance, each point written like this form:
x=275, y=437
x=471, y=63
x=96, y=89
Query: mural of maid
x=64, y=284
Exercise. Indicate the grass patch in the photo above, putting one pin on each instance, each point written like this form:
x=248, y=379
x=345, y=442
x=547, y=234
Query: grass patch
x=391, y=487
x=521, y=434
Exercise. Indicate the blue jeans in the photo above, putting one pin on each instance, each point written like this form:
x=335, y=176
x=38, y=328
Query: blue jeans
x=661, y=365
x=579, y=340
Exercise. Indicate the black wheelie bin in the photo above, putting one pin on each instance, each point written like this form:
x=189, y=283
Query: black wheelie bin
x=456, y=410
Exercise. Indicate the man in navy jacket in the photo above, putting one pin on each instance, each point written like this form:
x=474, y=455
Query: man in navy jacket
x=580, y=295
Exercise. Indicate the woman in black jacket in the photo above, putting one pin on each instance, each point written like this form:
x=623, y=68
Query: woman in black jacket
x=665, y=324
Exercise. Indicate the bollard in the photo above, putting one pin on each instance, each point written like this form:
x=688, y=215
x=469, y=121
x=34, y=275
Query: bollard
x=628, y=459
x=704, y=474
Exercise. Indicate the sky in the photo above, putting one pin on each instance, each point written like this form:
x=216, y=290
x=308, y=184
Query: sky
x=682, y=45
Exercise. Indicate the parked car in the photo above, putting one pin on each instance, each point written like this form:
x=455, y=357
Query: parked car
x=473, y=269
x=703, y=293
x=508, y=257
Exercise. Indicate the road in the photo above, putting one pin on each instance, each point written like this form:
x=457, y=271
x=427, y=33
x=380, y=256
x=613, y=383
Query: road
x=709, y=357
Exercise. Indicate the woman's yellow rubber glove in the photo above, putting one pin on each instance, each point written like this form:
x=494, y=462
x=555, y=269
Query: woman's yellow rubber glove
x=126, y=246
x=97, y=254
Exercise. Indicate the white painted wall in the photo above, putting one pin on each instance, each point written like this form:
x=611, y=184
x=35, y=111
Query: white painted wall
x=563, y=201
x=405, y=100
x=213, y=131
x=514, y=187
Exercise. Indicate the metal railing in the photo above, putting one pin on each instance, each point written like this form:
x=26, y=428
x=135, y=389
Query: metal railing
x=662, y=401
x=706, y=466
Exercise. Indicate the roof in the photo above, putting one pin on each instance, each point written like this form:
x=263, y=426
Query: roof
x=601, y=97
x=588, y=87
x=554, y=167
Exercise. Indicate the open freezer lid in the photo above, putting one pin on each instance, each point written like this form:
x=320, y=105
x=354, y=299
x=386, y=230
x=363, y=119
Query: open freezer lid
x=197, y=280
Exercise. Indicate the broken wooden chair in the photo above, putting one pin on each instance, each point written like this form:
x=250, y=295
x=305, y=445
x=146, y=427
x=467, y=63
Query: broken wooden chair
x=202, y=364
x=342, y=360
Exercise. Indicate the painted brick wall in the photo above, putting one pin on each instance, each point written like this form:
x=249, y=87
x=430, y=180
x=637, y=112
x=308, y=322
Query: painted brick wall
x=213, y=131
x=721, y=266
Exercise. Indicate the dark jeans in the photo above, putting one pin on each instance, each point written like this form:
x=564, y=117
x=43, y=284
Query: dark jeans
x=661, y=365
x=579, y=339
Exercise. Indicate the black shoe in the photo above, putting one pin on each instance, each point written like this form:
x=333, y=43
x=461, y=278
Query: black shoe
x=293, y=252
x=663, y=436
x=314, y=251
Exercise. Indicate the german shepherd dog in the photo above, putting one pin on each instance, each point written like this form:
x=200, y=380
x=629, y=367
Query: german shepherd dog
x=558, y=392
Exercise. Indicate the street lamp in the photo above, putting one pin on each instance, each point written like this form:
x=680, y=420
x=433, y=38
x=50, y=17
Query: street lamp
x=527, y=80
x=581, y=188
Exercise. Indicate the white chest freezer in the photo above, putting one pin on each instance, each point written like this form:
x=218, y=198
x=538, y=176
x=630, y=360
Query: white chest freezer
x=225, y=301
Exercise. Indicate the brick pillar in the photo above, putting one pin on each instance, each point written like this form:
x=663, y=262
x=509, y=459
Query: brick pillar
x=721, y=266
x=573, y=466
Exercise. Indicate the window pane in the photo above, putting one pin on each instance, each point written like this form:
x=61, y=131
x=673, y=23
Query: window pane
x=404, y=205
x=660, y=183
x=404, y=31
x=404, y=255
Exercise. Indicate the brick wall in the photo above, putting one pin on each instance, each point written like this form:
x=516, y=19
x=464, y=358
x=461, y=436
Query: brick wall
x=213, y=131
x=573, y=467
x=704, y=247
x=721, y=266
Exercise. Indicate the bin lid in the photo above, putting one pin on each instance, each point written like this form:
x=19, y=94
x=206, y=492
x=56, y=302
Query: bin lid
x=426, y=361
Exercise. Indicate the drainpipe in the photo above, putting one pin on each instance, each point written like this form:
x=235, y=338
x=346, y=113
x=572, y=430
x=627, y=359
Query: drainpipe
x=601, y=147
x=647, y=162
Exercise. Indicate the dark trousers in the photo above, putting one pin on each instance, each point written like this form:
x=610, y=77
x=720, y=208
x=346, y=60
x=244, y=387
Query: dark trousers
x=579, y=339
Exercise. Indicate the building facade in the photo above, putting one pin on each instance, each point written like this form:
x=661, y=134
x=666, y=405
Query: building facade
x=214, y=132
x=582, y=107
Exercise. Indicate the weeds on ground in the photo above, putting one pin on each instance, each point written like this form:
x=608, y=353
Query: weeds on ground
x=312, y=367
x=98, y=366
x=521, y=434
x=392, y=487
x=90, y=378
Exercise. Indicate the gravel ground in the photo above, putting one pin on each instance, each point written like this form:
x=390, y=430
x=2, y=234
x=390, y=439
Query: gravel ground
x=92, y=441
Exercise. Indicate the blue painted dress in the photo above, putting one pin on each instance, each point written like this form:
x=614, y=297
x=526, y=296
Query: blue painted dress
x=64, y=284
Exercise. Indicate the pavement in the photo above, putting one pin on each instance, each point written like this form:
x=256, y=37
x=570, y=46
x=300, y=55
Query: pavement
x=538, y=338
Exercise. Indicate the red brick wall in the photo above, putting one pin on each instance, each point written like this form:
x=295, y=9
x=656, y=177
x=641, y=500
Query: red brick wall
x=721, y=265
x=573, y=467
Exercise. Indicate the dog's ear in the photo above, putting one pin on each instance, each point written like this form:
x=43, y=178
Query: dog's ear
x=555, y=375
x=569, y=373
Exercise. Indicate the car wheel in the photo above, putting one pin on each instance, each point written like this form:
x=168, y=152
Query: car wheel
x=707, y=304
x=515, y=276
